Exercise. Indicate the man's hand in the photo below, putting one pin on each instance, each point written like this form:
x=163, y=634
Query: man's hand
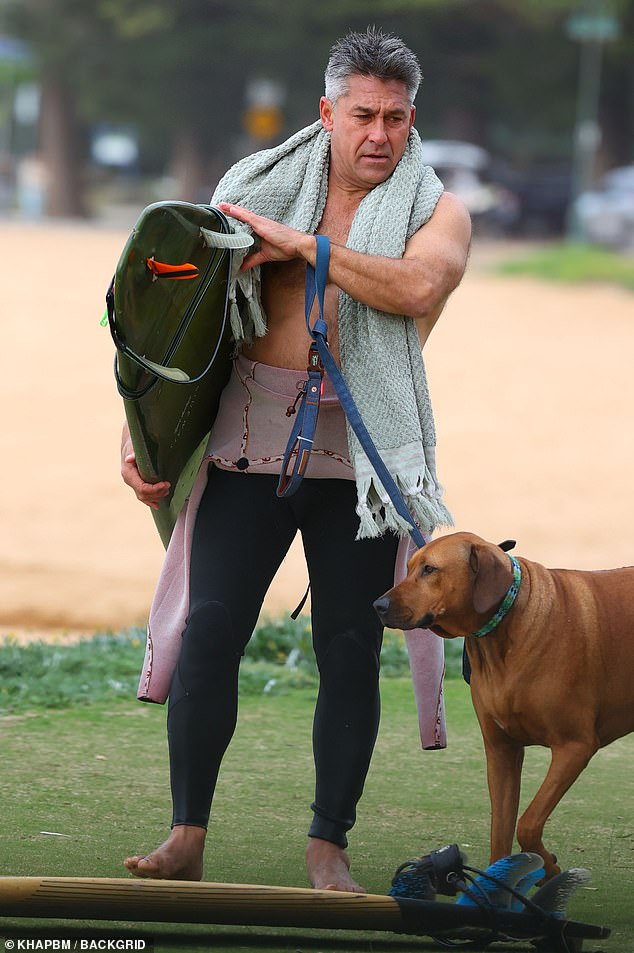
x=149, y=493
x=277, y=242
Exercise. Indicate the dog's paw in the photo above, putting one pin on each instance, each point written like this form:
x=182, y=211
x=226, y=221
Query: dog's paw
x=551, y=869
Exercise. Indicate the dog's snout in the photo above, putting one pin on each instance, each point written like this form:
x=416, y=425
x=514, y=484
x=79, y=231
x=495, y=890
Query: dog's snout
x=382, y=605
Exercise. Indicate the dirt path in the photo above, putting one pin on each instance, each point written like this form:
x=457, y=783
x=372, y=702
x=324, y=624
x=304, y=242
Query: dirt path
x=533, y=392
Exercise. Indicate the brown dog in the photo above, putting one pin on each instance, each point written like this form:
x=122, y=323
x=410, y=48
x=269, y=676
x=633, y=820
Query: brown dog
x=552, y=665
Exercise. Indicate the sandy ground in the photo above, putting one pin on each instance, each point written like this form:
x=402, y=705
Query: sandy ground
x=533, y=391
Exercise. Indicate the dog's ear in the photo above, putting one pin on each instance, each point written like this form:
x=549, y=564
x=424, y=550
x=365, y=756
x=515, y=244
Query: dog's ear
x=507, y=545
x=493, y=576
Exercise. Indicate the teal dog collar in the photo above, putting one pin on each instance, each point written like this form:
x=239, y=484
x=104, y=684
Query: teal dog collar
x=507, y=602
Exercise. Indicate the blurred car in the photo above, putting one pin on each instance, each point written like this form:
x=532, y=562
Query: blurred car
x=466, y=170
x=605, y=215
x=544, y=192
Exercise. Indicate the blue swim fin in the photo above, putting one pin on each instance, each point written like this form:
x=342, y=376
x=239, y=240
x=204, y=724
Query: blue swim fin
x=553, y=897
x=491, y=886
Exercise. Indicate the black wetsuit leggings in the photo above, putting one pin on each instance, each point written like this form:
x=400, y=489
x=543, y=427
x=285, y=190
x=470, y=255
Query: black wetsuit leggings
x=242, y=533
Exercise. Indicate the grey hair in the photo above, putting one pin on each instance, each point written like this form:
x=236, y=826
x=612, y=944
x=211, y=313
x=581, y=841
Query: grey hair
x=372, y=53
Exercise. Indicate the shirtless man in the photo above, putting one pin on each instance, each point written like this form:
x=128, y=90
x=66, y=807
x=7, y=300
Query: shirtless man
x=369, y=118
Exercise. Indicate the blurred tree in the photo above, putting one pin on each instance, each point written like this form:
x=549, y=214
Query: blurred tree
x=617, y=99
x=177, y=72
x=38, y=22
x=502, y=73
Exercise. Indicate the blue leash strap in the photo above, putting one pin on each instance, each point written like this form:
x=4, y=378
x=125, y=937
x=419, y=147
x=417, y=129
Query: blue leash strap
x=300, y=442
x=316, y=280
x=302, y=435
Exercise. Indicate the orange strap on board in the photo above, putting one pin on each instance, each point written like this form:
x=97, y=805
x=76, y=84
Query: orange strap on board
x=177, y=272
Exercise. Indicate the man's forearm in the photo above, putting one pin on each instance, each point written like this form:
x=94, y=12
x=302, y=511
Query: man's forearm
x=394, y=285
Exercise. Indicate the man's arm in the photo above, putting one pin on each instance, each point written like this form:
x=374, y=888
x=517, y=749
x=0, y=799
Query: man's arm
x=417, y=285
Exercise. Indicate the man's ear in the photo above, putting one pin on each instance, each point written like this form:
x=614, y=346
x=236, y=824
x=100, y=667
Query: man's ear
x=326, y=113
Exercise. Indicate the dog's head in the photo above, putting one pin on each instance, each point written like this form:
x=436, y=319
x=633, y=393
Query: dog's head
x=452, y=584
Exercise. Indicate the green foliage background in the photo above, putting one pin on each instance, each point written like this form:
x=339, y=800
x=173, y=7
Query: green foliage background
x=106, y=667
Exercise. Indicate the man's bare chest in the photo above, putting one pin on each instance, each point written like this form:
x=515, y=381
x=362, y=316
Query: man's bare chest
x=336, y=222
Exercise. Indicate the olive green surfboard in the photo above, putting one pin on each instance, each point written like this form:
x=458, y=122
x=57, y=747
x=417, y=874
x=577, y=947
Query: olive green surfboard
x=168, y=315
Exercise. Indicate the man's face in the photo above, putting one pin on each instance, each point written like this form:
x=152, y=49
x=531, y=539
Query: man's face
x=369, y=128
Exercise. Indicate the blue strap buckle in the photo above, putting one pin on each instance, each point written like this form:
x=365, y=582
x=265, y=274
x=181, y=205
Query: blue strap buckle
x=300, y=442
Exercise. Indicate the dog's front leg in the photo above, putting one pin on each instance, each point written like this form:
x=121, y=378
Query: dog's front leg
x=567, y=762
x=504, y=774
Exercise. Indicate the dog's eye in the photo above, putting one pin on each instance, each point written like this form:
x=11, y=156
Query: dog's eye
x=427, y=569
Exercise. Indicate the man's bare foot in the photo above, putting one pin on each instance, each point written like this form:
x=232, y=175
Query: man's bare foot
x=179, y=858
x=329, y=867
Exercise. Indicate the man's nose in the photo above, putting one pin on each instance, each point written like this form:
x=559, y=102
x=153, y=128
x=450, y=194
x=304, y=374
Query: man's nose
x=377, y=132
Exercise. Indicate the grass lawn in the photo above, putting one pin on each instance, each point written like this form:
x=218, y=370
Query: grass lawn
x=98, y=776
x=573, y=262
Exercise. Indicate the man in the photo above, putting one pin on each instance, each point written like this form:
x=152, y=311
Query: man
x=357, y=177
